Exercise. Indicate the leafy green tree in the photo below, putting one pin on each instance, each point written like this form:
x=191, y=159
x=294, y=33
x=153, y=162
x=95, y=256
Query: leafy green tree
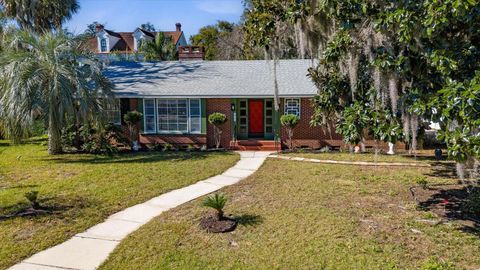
x=148, y=26
x=289, y=121
x=51, y=76
x=160, y=49
x=39, y=16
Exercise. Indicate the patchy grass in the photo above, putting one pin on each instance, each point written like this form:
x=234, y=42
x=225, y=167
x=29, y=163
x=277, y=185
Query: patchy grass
x=423, y=156
x=84, y=189
x=297, y=215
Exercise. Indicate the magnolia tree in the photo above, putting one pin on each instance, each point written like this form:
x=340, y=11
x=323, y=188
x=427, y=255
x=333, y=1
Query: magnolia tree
x=217, y=120
x=417, y=59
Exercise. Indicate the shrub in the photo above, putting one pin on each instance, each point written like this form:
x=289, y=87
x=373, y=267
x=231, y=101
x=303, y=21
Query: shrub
x=32, y=197
x=168, y=147
x=217, y=119
x=216, y=202
x=92, y=140
x=132, y=118
x=289, y=121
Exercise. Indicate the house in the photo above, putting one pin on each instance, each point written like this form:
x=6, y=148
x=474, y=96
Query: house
x=108, y=41
x=176, y=98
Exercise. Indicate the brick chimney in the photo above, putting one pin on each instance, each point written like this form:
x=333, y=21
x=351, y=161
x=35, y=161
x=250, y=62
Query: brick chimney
x=99, y=27
x=179, y=27
x=186, y=53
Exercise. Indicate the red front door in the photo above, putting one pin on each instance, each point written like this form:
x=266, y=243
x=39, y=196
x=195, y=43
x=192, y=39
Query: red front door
x=255, y=118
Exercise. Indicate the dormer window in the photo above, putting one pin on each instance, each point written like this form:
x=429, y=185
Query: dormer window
x=103, y=45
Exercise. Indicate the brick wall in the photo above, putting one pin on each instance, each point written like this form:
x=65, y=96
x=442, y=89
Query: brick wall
x=195, y=140
x=221, y=106
x=305, y=135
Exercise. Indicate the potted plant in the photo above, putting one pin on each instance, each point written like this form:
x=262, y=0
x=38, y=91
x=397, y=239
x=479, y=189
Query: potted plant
x=217, y=119
x=132, y=119
x=289, y=121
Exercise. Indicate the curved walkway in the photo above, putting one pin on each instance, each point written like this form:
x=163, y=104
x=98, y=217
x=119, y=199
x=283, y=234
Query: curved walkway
x=88, y=250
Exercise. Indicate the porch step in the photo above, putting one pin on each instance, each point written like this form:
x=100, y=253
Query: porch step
x=255, y=145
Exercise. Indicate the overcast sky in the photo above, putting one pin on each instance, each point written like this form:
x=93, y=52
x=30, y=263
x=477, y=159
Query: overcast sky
x=126, y=15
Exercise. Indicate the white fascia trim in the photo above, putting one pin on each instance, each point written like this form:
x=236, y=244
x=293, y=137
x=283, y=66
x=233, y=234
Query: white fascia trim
x=206, y=96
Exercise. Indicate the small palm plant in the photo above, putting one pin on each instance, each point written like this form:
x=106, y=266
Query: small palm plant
x=216, y=202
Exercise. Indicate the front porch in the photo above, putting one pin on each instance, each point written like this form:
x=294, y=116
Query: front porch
x=255, y=125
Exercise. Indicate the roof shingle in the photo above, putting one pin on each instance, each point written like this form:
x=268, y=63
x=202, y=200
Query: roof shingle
x=210, y=79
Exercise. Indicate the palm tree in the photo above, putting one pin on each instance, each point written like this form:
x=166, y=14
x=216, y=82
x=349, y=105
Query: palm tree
x=38, y=15
x=51, y=76
x=161, y=48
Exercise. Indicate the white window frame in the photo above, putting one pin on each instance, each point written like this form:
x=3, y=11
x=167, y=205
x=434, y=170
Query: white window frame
x=190, y=116
x=286, y=108
x=106, y=44
x=117, y=107
x=154, y=115
x=158, y=117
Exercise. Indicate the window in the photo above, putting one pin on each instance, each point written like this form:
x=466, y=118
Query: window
x=292, y=106
x=149, y=115
x=113, y=113
x=195, y=116
x=179, y=116
x=103, y=45
x=139, y=43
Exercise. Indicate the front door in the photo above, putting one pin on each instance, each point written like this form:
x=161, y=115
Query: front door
x=255, y=118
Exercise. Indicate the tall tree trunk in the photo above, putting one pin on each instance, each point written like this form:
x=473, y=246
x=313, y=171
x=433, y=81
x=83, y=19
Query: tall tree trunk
x=54, y=135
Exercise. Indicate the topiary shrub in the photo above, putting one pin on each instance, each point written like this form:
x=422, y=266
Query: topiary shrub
x=132, y=119
x=289, y=121
x=217, y=119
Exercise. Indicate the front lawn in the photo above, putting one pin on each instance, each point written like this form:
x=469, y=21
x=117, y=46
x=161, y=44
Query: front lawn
x=297, y=215
x=82, y=190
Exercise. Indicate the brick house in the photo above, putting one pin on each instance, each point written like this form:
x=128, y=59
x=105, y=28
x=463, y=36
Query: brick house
x=176, y=98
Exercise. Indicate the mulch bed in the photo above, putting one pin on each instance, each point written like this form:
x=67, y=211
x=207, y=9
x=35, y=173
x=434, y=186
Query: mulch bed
x=214, y=225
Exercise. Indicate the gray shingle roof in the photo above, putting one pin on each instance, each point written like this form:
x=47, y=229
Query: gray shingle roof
x=210, y=79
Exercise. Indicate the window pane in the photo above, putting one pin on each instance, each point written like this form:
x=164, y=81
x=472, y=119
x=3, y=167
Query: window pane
x=292, y=106
x=195, y=124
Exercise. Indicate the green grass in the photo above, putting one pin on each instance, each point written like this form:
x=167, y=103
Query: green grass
x=85, y=189
x=306, y=216
x=423, y=156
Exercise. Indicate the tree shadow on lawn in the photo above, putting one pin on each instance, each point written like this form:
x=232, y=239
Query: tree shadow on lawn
x=129, y=158
x=49, y=206
x=452, y=202
x=443, y=170
x=249, y=220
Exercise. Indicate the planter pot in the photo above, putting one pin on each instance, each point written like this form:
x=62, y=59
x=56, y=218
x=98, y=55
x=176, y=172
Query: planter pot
x=391, y=149
x=357, y=149
x=135, y=146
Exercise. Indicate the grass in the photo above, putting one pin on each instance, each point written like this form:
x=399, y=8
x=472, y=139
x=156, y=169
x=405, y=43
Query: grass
x=423, y=156
x=84, y=189
x=307, y=216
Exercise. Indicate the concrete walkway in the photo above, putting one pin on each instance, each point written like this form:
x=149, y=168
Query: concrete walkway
x=88, y=250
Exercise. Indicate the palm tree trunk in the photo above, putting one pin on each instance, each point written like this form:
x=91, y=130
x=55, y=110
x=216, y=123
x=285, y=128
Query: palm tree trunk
x=54, y=136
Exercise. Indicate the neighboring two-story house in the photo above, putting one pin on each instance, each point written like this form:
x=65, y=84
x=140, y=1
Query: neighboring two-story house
x=107, y=41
